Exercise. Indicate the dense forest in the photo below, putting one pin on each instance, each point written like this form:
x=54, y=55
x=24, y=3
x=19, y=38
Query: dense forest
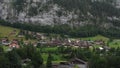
x=65, y=29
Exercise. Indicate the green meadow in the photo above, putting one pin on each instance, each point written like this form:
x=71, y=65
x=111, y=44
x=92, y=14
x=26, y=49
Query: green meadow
x=5, y=32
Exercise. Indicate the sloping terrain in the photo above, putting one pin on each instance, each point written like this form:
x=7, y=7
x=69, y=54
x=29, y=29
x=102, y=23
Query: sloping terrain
x=7, y=32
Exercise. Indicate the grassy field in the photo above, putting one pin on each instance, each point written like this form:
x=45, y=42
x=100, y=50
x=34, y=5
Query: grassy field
x=5, y=31
x=56, y=58
x=98, y=37
x=115, y=43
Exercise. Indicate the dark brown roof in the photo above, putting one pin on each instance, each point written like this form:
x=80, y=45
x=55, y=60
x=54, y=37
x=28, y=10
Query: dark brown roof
x=77, y=61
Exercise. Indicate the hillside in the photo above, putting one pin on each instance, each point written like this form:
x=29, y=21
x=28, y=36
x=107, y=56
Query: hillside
x=7, y=32
x=78, y=18
x=73, y=12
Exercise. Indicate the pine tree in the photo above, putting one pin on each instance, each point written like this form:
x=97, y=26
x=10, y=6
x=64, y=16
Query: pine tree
x=37, y=60
x=4, y=62
x=1, y=49
x=14, y=59
x=49, y=61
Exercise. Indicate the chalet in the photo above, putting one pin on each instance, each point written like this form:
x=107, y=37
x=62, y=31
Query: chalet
x=56, y=42
x=72, y=43
x=81, y=43
x=43, y=42
x=86, y=44
x=75, y=43
x=5, y=41
x=79, y=63
x=106, y=48
x=40, y=36
x=65, y=65
x=14, y=44
x=66, y=42
x=26, y=42
x=73, y=63
x=99, y=42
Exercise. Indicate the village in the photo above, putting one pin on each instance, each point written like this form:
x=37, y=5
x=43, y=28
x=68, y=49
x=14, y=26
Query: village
x=42, y=39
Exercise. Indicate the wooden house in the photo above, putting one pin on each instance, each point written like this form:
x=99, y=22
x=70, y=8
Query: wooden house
x=14, y=44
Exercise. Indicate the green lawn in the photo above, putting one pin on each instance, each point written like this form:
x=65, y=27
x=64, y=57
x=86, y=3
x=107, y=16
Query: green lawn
x=115, y=43
x=98, y=37
x=56, y=58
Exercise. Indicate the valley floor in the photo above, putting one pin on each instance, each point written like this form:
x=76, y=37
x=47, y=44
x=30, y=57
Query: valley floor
x=7, y=32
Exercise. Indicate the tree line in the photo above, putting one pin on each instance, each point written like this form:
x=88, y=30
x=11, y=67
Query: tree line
x=65, y=29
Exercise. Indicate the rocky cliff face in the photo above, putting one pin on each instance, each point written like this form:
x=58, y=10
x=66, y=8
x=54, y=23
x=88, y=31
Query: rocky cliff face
x=46, y=12
x=33, y=11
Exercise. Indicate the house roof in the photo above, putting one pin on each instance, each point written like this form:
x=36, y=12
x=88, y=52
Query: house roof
x=14, y=45
x=78, y=61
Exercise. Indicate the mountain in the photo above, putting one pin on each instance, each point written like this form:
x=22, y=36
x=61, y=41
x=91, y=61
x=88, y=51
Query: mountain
x=71, y=17
x=49, y=12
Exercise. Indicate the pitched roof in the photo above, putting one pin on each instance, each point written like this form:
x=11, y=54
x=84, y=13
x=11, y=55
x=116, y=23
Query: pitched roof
x=78, y=61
